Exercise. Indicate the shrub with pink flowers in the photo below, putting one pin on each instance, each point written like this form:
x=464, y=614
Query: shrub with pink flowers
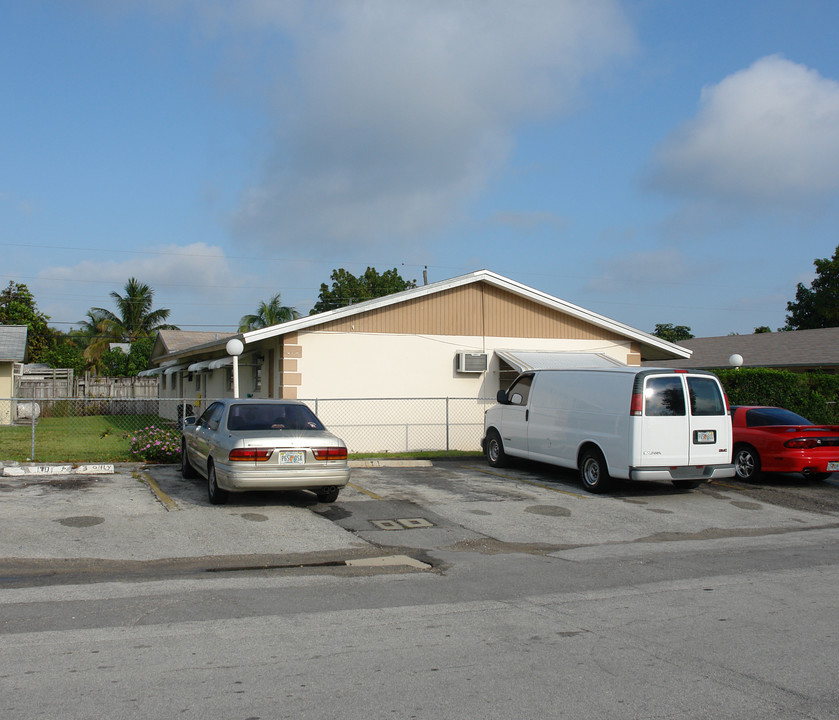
x=156, y=444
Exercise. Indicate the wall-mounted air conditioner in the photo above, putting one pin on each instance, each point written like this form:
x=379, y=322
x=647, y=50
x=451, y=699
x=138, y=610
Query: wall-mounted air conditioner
x=471, y=362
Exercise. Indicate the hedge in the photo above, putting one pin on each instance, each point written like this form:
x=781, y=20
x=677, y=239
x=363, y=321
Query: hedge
x=814, y=395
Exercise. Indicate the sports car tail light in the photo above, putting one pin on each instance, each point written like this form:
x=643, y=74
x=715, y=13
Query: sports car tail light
x=330, y=453
x=802, y=443
x=249, y=454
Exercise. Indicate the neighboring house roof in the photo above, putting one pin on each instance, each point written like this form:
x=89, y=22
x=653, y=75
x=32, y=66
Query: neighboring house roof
x=171, y=342
x=793, y=349
x=13, y=343
x=652, y=347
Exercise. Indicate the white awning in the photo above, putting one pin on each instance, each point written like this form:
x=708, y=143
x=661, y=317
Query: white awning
x=541, y=360
x=152, y=371
x=197, y=367
x=174, y=368
x=221, y=362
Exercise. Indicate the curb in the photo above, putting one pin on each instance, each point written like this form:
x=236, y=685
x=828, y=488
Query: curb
x=30, y=470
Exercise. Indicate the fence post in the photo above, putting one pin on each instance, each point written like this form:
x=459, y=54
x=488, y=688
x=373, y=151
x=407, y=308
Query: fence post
x=448, y=439
x=32, y=450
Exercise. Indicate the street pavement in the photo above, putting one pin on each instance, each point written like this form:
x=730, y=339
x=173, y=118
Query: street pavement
x=533, y=599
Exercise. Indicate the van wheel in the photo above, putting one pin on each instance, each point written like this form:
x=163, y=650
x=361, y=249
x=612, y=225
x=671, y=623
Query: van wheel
x=746, y=462
x=216, y=495
x=494, y=449
x=593, y=471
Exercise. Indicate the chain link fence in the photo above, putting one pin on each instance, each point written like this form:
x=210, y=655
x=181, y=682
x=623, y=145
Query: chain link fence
x=102, y=429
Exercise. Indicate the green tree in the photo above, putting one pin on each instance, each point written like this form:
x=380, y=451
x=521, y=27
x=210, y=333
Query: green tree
x=65, y=353
x=134, y=318
x=18, y=307
x=817, y=306
x=672, y=333
x=267, y=314
x=762, y=329
x=348, y=289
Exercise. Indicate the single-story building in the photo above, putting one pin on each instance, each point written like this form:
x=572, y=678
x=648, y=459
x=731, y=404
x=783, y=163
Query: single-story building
x=12, y=356
x=796, y=350
x=460, y=339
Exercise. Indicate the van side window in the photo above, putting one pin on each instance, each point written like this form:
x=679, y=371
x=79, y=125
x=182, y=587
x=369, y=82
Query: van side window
x=520, y=390
x=705, y=397
x=664, y=396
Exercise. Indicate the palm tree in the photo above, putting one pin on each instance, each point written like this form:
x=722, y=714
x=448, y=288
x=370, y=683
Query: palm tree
x=135, y=318
x=93, y=334
x=268, y=314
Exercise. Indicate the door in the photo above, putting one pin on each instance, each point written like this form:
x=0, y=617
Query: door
x=665, y=429
x=205, y=430
x=515, y=416
x=710, y=424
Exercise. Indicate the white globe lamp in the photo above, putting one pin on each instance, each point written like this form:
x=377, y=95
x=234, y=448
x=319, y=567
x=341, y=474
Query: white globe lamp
x=235, y=347
x=735, y=361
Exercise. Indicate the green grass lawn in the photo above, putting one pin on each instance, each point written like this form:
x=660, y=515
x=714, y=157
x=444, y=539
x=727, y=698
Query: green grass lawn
x=97, y=438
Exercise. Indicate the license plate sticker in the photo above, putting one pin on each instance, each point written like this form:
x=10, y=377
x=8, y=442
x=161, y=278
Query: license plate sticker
x=833, y=466
x=704, y=437
x=292, y=458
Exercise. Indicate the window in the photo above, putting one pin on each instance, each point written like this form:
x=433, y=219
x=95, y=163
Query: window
x=257, y=378
x=664, y=397
x=212, y=416
x=519, y=391
x=705, y=397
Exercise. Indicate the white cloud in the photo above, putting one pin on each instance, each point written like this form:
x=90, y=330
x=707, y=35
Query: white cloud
x=766, y=134
x=390, y=116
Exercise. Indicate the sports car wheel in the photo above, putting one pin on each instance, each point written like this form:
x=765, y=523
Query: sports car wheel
x=746, y=462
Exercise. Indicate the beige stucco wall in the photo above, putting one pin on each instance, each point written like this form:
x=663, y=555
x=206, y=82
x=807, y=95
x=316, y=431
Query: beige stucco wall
x=353, y=365
x=6, y=379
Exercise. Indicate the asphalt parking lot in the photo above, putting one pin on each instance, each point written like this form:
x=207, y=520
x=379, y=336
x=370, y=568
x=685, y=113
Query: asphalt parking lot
x=147, y=512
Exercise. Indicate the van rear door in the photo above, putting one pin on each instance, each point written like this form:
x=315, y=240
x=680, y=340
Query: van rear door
x=665, y=428
x=685, y=421
x=710, y=425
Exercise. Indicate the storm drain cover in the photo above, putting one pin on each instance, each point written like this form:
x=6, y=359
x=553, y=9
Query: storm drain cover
x=402, y=524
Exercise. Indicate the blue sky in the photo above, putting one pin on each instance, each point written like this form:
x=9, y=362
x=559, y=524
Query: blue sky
x=655, y=161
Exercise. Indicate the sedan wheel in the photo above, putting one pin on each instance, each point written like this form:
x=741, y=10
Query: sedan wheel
x=187, y=471
x=216, y=495
x=746, y=462
x=327, y=494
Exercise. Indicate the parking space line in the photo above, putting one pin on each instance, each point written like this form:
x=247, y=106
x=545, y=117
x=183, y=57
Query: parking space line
x=161, y=496
x=530, y=482
x=369, y=493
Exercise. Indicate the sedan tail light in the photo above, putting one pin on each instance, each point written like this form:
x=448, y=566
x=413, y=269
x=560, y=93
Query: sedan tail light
x=249, y=454
x=330, y=453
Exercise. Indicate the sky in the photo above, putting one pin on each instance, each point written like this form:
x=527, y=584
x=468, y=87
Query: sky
x=654, y=161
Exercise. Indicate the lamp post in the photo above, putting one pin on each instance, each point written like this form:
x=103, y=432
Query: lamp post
x=735, y=361
x=235, y=347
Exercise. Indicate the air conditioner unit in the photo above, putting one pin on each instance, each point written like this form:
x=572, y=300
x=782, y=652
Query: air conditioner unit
x=471, y=362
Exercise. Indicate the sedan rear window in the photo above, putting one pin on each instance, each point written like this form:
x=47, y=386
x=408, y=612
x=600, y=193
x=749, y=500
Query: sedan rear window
x=773, y=416
x=253, y=416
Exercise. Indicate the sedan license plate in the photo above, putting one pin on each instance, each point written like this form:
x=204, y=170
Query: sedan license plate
x=292, y=458
x=833, y=467
x=704, y=437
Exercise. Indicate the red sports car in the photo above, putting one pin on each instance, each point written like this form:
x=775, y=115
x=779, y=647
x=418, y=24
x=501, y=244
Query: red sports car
x=771, y=439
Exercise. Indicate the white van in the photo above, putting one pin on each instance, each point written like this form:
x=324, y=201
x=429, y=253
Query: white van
x=633, y=423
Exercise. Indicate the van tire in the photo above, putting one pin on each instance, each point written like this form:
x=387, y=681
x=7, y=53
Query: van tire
x=494, y=449
x=594, y=474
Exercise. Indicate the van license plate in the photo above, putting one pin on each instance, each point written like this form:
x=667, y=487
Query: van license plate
x=292, y=458
x=704, y=437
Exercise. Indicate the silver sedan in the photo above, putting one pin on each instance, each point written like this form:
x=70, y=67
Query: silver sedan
x=240, y=445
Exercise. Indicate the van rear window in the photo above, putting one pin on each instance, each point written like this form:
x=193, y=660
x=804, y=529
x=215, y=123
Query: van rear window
x=663, y=397
x=705, y=397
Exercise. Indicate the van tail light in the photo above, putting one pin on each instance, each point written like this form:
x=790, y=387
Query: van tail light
x=249, y=454
x=636, y=407
x=330, y=453
x=802, y=443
